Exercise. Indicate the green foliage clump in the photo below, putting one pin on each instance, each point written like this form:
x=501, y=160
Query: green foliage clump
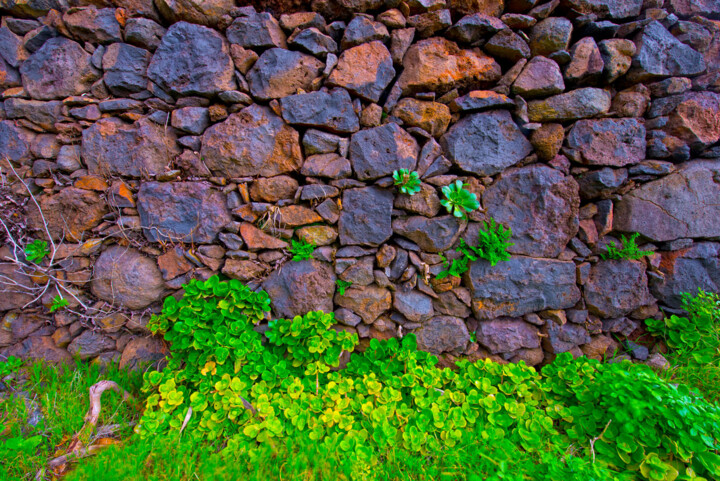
x=58, y=303
x=640, y=425
x=36, y=251
x=342, y=285
x=694, y=342
x=301, y=250
x=458, y=200
x=579, y=419
x=492, y=243
x=408, y=182
x=629, y=250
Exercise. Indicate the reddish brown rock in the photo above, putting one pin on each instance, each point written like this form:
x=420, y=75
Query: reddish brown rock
x=90, y=344
x=608, y=142
x=142, y=351
x=368, y=302
x=300, y=287
x=433, y=117
x=70, y=214
x=254, y=141
x=540, y=77
x=600, y=348
x=426, y=202
x=244, y=270
x=365, y=71
x=586, y=64
x=273, y=189
x=696, y=119
x=297, y=215
x=257, y=239
x=111, y=147
x=439, y=65
x=125, y=277
x=174, y=263
x=493, y=8
x=279, y=73
x=507, y=334
x=40, y=348
x=204, y=12
x=547, y=141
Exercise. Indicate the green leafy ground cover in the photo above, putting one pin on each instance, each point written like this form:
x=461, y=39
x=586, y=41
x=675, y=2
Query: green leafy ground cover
x=230, y=405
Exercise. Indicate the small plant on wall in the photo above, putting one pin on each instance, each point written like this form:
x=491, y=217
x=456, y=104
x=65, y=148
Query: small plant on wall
x=458, y=200
x=301, y=250
x=406, y=181
x=492, y=246
x=630, y=249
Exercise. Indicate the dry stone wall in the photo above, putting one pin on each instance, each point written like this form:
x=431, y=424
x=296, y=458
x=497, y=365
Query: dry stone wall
x=168, y=140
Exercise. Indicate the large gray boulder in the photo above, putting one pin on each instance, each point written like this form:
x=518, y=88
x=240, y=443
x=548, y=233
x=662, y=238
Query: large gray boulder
x=616, y=287
x=690, y=269
x=126, y=278
x=366, y=216
x=300, y=287
x=683, y=204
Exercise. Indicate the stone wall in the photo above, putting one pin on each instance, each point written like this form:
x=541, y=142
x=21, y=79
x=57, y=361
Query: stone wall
x=180, y=139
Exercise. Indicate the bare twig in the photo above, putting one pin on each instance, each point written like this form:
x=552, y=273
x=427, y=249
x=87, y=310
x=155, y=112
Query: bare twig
x=592, y=441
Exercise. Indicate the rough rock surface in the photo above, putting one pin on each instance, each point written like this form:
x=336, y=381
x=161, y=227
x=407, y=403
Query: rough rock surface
x=366, y=216
x=683, y=204
x=485, y=143
x=520, y=286
x=69, y=214
x=60, y=68
x=432, y=235
x=611, y=142
x=368, y=302
x=112, y=147
x=443, y=334
x=365, y=70
x=279, y=73
x=540, y=205
x=126, y=278
x=616, y=287
x=661, y=55
x=507, y=335
x=262, y=144
x=577, y=104
x=181, y=212
x=686, y=270
x=332, y=111
x=379, y=151
x=300, y=287
x=192, y=60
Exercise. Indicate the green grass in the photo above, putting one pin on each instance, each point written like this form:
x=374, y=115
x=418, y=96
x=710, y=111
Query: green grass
x=60, y=396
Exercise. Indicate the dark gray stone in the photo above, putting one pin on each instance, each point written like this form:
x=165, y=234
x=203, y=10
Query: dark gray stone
x=521, y=285
x=563, y=338
x=279, y=73
x=539, y=204
x=472, y=28
x=89, y=344
x=540, y=77
x=192, y=60
x=550, y=35
x=314, y=42
x=144, y=33
x=573, y=105
x=366, y=216
x=612, y=9
x=661, y=55
x=485, y=143
x=379, y=151
x=332, y=111
x=301, y=287
x=616, y=288
x=193, y=120
x=259, y=30
x=432, y=235
x=182, y=212
x=363, y=30
x=93, y=25
x=125, y=69
x=601, y=183
x=9, y=76
x=684, y=204
x=414, y=305
x=480, y=100
x=15, y=141
x=507, y=335
x=11, y=48
x=44, y=114
x=37, y=38
x=61, y=68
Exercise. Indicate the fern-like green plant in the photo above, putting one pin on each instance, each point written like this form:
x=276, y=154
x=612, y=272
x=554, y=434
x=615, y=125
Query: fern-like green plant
x=492, y=242
x=458, y=200
x=58, y=303
x=342, y=285
x=408, y=182
x=629, y=249
x=301, y=250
